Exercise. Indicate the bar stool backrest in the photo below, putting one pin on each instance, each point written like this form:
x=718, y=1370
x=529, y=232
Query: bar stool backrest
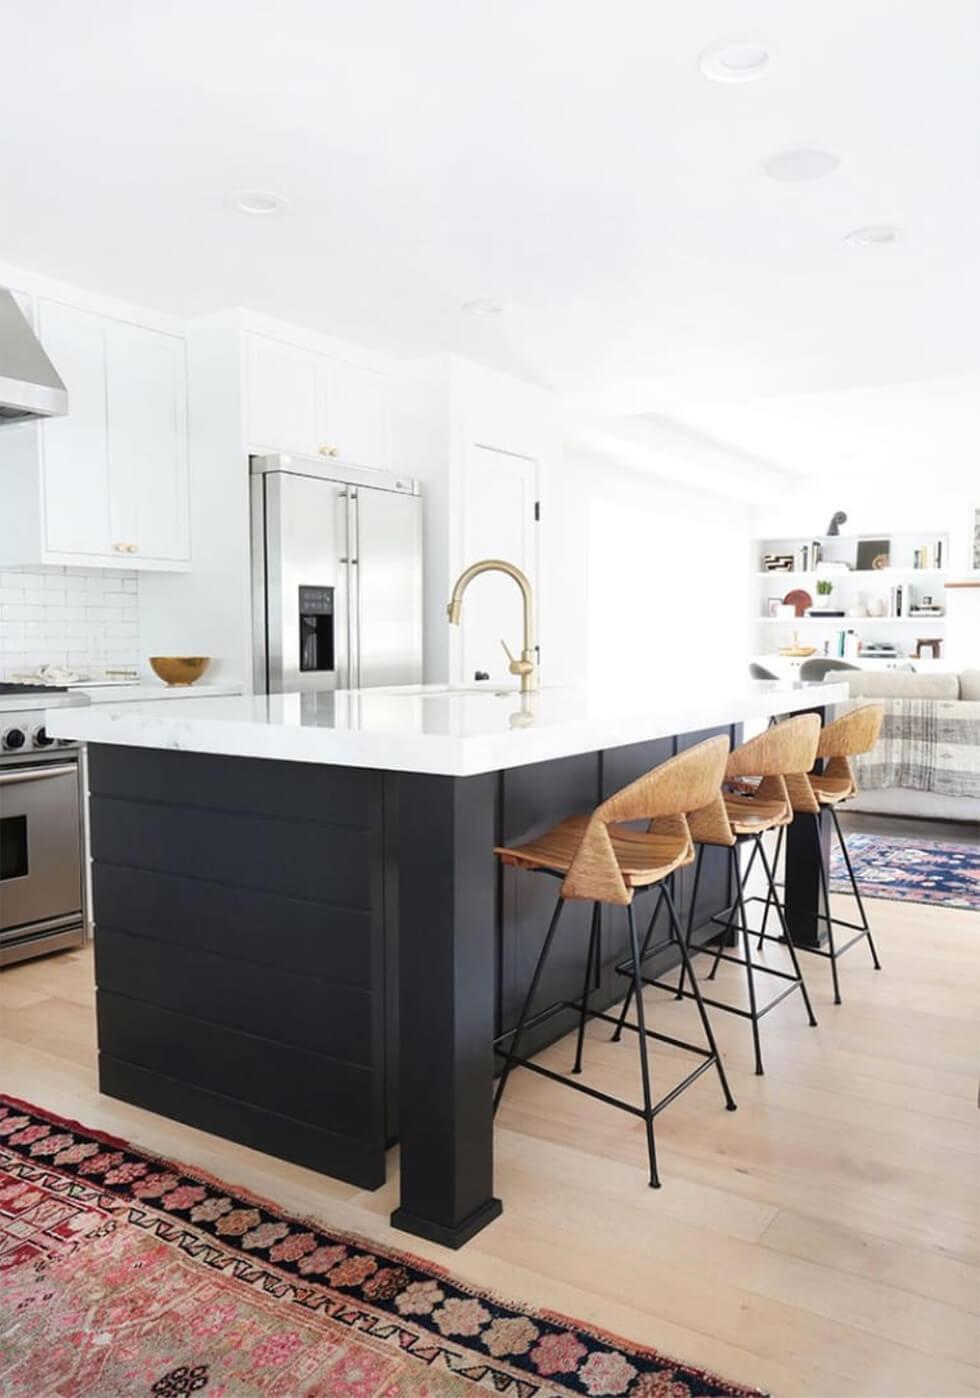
x=847, y=736
x=665, y=796
x=781, y=756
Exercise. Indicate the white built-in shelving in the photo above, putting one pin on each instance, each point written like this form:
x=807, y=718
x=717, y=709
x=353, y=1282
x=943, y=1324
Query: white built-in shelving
x=860, y=593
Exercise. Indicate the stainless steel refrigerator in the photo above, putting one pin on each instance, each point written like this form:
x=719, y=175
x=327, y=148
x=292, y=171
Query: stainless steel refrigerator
x=336, y=576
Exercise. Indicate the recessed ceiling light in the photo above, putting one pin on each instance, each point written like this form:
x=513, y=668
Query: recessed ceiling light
x=483, y=307
x=258, y=201
x=873, y=235
x=735, y=61
x=806, y=163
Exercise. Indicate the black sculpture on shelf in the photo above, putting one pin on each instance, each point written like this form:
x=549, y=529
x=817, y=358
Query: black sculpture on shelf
x=838, y=519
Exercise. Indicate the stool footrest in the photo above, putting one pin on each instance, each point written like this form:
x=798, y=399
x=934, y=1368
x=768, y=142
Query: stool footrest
x=723, y=1005
x=611, y=1101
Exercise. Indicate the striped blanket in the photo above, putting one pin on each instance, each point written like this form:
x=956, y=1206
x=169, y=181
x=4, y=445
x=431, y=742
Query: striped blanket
x=926, y=745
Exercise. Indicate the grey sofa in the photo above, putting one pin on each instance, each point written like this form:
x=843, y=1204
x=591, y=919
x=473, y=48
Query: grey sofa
x=927, y=761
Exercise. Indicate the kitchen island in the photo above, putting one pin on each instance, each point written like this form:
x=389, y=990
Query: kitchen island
x=303, y=940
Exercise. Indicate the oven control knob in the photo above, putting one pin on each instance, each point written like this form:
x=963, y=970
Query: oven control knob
x=41, y=738
x=14, y=738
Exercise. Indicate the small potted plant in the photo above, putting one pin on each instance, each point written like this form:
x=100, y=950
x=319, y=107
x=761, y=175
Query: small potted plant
x=824, y=588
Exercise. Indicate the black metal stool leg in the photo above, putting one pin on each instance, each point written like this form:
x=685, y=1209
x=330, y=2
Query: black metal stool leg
x=854, y=884
x=617, y=1033
x=642, y=1036
x=747, y=943
x=525, y=1008
x=728, y=929
x=772, y=894
x=770, y=875
x=690, y=918
x=730, y=1102
x=825, y=886
x=586, y=986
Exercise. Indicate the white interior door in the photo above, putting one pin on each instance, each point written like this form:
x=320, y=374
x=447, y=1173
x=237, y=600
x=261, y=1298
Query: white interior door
x=500, y=491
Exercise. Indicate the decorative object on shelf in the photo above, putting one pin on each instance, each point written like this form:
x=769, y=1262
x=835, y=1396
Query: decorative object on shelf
x=873, y=554
x=837, y=519
x=799, y=600
x=857, y=609
x=773, y=605
x=786, y=612
x=796, y=649
x=198, y=1286
x=933, y=645
x=778, y=562
x=874, y=605
x=824, y=587
x=177, y=670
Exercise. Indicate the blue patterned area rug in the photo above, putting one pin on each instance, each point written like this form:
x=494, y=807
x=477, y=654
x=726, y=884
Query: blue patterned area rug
x=911, y=871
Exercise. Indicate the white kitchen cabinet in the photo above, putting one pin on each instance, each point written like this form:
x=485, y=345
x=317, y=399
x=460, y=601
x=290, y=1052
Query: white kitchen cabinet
x=314, y=404
x=74, y=450
x=106, y=485
x=147, y=426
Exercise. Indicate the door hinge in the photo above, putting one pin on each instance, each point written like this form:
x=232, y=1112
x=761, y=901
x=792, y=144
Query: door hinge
x=537, y=511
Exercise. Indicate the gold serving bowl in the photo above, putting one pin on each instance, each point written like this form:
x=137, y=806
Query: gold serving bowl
x=179, y=669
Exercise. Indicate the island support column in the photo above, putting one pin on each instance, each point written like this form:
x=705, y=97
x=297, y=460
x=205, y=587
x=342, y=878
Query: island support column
x=447, y=986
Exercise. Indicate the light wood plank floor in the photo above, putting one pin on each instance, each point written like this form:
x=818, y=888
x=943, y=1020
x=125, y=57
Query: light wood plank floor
x=823, y=1240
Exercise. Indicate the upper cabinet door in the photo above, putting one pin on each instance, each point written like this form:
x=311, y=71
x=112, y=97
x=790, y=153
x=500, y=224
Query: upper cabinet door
x=353, y=422
x=147, y=416
x=76, y=471
x=281, y=391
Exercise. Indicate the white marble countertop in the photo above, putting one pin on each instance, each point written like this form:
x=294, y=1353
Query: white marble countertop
x=431, y=729
x=146, y=691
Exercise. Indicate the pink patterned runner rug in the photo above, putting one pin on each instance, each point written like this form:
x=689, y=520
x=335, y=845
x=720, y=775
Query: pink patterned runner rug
x=122, y=1274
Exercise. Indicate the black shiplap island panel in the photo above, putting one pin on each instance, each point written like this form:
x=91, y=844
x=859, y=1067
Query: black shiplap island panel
x=262, y=926
x=240, y=949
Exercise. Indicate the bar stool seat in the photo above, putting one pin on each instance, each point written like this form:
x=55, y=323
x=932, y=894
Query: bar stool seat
x=830, y=790
x=754, y=815
x=643, y=856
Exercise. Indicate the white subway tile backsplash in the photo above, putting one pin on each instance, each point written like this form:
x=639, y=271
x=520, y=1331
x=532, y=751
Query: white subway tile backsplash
x=83, y=618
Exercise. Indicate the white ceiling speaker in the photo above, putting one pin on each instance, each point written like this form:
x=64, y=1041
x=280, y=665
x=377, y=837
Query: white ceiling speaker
x=259, y=201
x=735, y=61
x=873, y=235
x=804, y=163
x=484, y=307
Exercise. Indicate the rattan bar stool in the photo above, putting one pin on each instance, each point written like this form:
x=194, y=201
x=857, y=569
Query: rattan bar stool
x=779, y=758
x=601, y=859
x=844, y=738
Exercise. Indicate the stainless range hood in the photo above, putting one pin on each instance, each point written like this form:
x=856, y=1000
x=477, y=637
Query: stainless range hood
x=29, y=385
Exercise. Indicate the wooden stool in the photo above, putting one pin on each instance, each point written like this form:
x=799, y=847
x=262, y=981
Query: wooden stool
x=841, y=740
x=780, y=759
x=601, y=860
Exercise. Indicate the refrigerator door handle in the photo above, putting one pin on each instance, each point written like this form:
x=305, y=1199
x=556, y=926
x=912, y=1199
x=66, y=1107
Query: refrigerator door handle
x=353, y=591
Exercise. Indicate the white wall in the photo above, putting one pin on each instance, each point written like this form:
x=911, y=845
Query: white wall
x=648, y=578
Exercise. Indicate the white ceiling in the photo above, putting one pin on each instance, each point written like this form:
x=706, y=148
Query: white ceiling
x=565, y=157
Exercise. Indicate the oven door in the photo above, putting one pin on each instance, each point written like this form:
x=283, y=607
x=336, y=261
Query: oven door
x=40, y=847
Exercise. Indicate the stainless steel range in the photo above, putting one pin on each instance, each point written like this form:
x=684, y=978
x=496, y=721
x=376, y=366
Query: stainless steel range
x=42, y=887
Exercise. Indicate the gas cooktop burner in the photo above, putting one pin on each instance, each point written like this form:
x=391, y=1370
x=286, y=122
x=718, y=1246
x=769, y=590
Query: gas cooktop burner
x=13, y=687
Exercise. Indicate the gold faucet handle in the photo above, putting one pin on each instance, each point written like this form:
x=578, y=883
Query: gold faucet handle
x=517, y=667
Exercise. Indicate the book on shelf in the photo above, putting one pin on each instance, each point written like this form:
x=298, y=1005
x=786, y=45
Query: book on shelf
x=900, y=600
